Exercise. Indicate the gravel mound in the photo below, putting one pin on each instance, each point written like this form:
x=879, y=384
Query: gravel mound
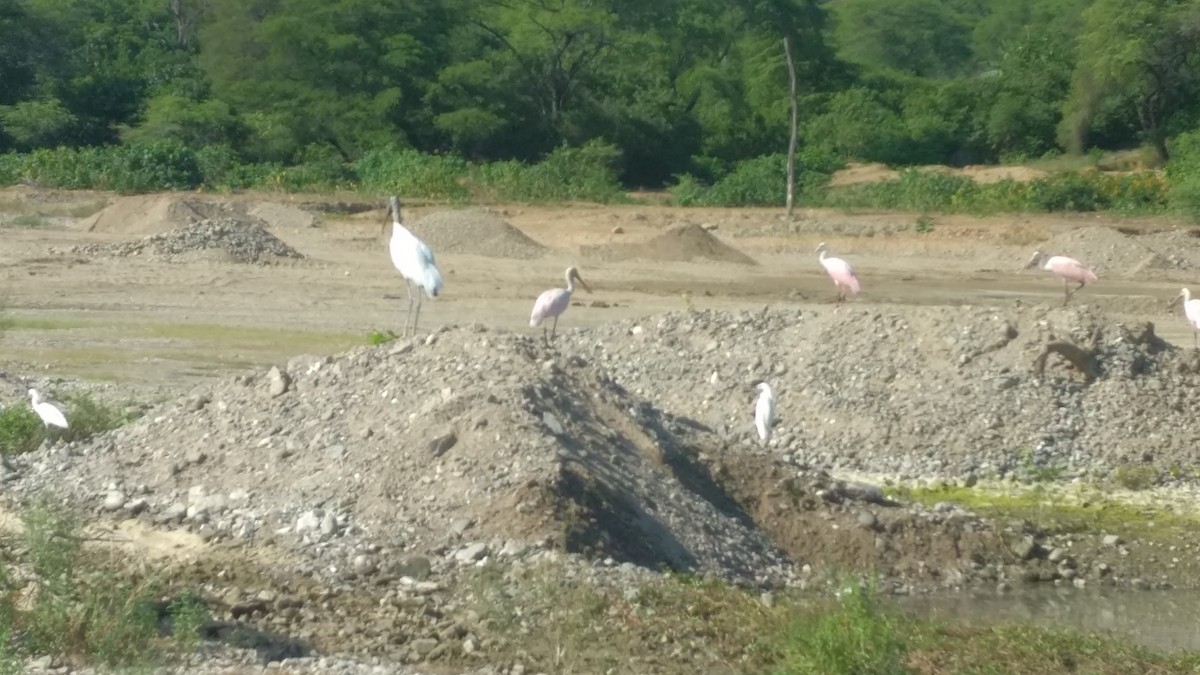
x=232, y=241
x=1109, y=251
x=923, y=391
x=475, y=232
x=680, y=242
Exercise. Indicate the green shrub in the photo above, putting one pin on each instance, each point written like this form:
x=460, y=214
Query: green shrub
x=21, y=430
x=412, y=174
x=586, y=173
x=1183, y=174
x=761, y=181
x=1067, y=192
x=152, y=166
x=88, y=417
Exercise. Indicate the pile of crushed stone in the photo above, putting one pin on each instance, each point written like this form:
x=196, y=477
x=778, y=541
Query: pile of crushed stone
x=232, y=240
x=920, y=392
x=154, y=214
x=681, y=242
x=475, y=232
x=1109, y=251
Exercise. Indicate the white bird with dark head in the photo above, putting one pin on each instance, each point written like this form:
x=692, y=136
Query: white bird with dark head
x=415, y=262
x=51, y=414
x=552, y=303
x=764, y=412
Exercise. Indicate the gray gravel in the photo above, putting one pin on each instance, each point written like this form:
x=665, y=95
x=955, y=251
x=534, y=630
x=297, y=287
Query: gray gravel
x=237, y=240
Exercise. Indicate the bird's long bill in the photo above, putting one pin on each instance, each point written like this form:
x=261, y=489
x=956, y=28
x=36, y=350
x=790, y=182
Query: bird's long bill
x=392, y=214
x=582, y=283
x=1033, y=261
x=1175, y=300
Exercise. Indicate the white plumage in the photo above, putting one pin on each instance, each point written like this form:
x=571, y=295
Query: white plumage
x=414, y=260
x=50, y=414
x=764, y=412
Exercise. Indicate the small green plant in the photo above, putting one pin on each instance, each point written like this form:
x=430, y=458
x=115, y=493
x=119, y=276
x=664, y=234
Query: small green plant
x=1135, y=477
x=376, y=337
x=21, y=430
x=188, y=617
x=856, y=636
x=924, y=225
x=88, y=417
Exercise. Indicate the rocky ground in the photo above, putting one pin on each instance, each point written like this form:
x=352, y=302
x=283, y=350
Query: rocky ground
x=401, y=507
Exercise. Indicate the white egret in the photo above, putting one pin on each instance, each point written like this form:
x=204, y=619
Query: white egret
x=415, y=262
x=764, y=412
x=49, y=411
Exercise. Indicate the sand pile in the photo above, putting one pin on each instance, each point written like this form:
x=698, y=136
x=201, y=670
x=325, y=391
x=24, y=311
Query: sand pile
x=680, y=242
x=474, y=232
x=152, y=214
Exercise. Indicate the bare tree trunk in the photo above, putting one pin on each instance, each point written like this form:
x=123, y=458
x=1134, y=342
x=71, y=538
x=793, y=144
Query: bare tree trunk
x=791, y=156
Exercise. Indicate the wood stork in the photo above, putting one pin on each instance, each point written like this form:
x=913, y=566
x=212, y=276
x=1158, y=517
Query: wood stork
x=416, y=264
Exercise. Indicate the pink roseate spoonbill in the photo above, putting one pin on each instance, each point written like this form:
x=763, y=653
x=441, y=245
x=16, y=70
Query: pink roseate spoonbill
x=764, y=412
x=1067, y=269
x=840, y=271
x=415, y=263
x=552, y=303
x=1191, y=310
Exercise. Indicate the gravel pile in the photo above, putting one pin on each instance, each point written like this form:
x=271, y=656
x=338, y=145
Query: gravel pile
x=1109, y=251
x=475, y=232
x=920, y=391
x=235, y=240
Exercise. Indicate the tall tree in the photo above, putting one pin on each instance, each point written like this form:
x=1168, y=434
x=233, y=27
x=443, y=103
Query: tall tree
x=1144, y=53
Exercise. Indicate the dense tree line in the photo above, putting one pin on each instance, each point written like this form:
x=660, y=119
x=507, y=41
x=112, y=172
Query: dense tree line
x=677, y=86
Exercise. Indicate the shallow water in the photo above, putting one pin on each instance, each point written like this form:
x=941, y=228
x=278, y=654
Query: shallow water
x=1164, y=620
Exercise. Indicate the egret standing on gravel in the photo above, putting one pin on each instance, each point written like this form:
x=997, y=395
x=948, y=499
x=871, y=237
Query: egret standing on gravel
x=1191, y=310
x=1067, y=269
x=415, y=262
x=840, y=271
x=552, y=303
x=764, y=412
x=50, y=413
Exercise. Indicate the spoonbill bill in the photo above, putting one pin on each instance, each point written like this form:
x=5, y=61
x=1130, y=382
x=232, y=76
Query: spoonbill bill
x=415, y=262
x=1067, y=269
x=840, y=271
x=49, y=411
x=1191, y=310
x=552, y=303
x=764, y=412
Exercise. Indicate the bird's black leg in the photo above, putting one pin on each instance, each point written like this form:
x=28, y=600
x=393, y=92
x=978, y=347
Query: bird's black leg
x=417, y=314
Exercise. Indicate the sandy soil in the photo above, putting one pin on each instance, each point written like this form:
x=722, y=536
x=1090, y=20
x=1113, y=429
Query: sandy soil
x=78, y=315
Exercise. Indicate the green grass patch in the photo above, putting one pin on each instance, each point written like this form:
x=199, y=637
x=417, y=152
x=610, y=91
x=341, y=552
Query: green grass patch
x=74, y=604
x=681, y=624
x=1085, y=512
x=377, y=337
x=18, y=323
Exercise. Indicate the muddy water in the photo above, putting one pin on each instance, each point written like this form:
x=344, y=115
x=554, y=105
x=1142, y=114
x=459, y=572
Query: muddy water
x=1164, y=620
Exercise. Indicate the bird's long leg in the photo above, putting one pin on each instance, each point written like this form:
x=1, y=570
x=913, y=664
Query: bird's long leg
x=408, y=314
x=417, y=314
x=1195, y=344
x=1066, y=292
x=554, y=328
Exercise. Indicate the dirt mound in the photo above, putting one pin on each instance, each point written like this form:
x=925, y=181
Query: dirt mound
x=1109, y=251
x=855, y=173
x=212, y=239
x=149, y=214
x=995, y=174
x=475, y=232
x=680, y=242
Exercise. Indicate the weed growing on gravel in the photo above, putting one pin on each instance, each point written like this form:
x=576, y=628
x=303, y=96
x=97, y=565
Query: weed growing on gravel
x=79, y=606
x=21, y=430
x=1135, y=477
x=89, y=417
x=924, y=225
x=377, y=337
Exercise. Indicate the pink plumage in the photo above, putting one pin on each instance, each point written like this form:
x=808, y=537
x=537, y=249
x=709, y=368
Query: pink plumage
x=1068, y=269
x=552, y=303
x=840, y=271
